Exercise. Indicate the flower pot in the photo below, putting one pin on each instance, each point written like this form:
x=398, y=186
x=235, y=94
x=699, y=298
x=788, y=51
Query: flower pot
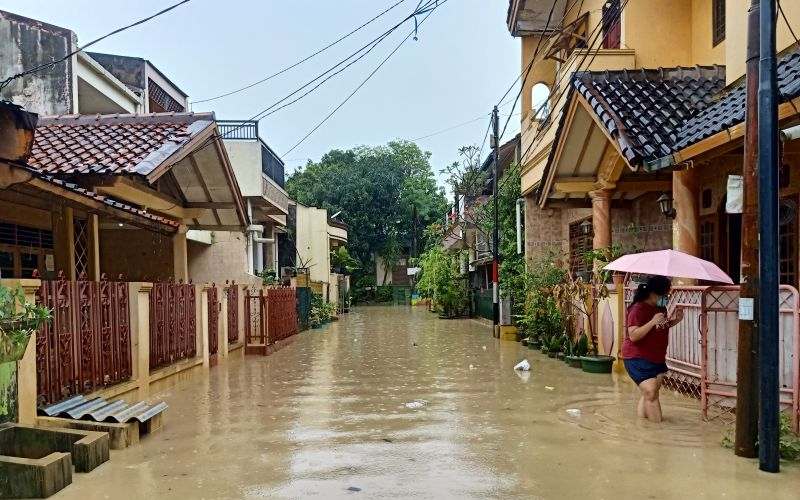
x=561, y=356
x=11, y=351
x=597, y=364
x=552, y=354
x=524, y=342
x=573, y=361
x=532, y=346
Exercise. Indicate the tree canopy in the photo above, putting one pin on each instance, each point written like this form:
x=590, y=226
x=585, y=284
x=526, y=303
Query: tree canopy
x=376, y=189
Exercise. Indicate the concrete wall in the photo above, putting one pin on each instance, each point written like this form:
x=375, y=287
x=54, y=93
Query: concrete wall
x=660, y=31
x=26, y=43
x=313, y=246
x=703, y=50
x=382, y=277
x=245, y=159
x=137, y=254
x=224, y=259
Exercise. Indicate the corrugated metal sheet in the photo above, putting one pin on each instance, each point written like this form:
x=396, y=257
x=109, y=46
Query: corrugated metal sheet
x=102, y=410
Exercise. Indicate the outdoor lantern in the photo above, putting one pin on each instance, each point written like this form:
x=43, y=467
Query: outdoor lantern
x=586, y=227
x=665, y=204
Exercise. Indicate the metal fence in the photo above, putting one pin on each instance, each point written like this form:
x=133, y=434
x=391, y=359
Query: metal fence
x=88, y=343
x=270, y=316
x=483, y=303
x=232, y=292
x=702, y=353
x=303, y=306
x=238, y=129
x=213, y=322
x=173, y=325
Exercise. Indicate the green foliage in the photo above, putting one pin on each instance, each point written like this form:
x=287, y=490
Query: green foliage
x=377, y=190
x=441, y=281
x=268, y=277
x=342, y=260
x=321, y=311
x=384, y=293
x=19, y=319
x=788, y=443
x=540, y=317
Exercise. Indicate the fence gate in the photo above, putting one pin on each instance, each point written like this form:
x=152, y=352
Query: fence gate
x=87, y=345
x=173, y=324
x=233, y=313
x=213, y=325
x=270, y=316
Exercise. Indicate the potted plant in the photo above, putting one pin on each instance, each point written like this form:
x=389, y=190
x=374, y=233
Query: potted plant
x=554, y=347
x=19, y=319
x=578, y=349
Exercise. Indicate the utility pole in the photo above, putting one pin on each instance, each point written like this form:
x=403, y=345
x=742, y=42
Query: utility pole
x=747, y=360
x=768, y=351
x=496, y=231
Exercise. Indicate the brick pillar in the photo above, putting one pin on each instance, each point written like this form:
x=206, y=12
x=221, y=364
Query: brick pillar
x=601, y=218
x=180, y=255
x=686, y=227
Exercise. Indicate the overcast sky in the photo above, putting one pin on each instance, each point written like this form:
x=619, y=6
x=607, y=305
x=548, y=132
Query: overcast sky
x=462, y=63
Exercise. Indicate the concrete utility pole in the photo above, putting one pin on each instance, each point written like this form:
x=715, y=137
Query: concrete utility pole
x=496, y=232
x=747, y=353
x=768, y=349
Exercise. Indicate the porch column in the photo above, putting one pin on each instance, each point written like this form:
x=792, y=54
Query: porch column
x=685, y=227
x=180, y=255
x=601, y=218
x=64, y=240
x=94, y=247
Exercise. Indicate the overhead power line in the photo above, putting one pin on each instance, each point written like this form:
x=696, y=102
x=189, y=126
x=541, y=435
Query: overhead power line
x=11, y=78
x=367, y=79
x=307, y=58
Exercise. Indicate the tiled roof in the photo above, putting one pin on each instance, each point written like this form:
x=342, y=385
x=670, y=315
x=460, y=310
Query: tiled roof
x=729, y=110
x=111, y=202
x=112, y=144
x=644, y=109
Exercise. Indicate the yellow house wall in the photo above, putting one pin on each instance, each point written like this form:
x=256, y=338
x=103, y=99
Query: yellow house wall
x=659, y=31
x=703, y=50
x=736, y=33
x=312, y=241
x=137, y=254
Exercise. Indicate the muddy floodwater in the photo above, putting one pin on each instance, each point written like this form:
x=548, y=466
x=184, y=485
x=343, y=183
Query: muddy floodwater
x=391, y=402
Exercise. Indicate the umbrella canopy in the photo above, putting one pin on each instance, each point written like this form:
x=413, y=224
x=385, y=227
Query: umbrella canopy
x=670, y=263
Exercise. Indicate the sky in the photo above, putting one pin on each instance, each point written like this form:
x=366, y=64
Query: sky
x=462, y=63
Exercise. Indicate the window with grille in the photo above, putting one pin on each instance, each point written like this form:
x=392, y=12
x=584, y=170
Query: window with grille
x=718, y=21
x=81, y=231
x=579, y=245
x=707, y=241
x=612, y=25
x=787, y=242
x=23, y=250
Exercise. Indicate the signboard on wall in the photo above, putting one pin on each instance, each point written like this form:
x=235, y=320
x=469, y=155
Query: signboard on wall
x=735, y=198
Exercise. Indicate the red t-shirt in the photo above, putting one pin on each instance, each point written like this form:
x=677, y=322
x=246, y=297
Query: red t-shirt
x=653, y=347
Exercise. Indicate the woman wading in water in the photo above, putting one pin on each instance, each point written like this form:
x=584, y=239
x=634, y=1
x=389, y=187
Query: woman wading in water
x=646, y=339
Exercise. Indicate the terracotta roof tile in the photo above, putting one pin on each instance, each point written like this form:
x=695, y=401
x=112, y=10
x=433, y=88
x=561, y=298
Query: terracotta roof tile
x=111, y=144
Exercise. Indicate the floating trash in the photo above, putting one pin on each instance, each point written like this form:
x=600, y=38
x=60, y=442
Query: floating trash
x=416, y=404
x=549, y=388
x=523, y=365
x=574, y=412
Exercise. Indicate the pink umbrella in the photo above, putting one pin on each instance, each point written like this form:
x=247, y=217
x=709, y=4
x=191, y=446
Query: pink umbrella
x=670, y=263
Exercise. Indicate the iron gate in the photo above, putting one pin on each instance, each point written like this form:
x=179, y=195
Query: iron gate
x=213, y=323
x=173, y=324
x=270, y=316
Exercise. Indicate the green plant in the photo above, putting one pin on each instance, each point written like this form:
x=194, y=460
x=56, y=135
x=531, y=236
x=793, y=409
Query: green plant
x=581, y=346
x=441, y=280
x=19, y=319
x=268, y=277
x=342, y=260
x=576, y=297
x=788, y=444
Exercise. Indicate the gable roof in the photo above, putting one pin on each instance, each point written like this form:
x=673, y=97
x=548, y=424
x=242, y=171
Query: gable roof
x=729, y=109
x=643, y=110
x=113, y=144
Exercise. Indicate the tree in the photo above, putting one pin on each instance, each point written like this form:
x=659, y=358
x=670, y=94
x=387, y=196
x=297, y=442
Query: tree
x=377, y=190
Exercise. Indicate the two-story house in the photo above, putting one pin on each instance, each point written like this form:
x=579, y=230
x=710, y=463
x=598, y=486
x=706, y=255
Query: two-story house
x=633, y=108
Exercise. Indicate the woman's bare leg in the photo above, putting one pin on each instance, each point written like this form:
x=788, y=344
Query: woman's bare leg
x=640, y=407
x=652, y=406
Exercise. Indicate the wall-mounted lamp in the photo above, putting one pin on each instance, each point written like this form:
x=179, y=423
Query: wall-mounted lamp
x=586, y=227
x=665, y=205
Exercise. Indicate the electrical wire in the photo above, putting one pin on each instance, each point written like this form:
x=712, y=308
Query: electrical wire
x=305, y=59
x=8, y=80
x=367, y=79
x=788, y=24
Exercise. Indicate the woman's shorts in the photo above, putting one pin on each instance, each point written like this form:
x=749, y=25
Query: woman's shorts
x=641, y=369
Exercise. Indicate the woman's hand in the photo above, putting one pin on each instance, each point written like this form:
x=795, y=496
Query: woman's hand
x=676, y=317
x=659, y=319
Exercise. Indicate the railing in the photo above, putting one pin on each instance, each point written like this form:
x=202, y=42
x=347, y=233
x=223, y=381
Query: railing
x=702, y=353
x=173, y=324
x=272, y=166
x=238, y=129
x=88, y=343
x=233, y=313
x=213, y=322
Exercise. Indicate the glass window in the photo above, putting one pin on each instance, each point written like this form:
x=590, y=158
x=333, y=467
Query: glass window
x=718, y=21
x=6, y=264
x=29, y=262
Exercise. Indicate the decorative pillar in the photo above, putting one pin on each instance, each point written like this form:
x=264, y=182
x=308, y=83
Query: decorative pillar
x=601, y=218
x=619, y=286
x=94, y=247
x=180, y=255
x=686, y=226
x=139, y=300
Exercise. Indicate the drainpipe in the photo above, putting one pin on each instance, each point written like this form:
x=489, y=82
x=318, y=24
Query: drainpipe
x=790, y=134
x=254, y=234
x=520, y=201
x=250, y=243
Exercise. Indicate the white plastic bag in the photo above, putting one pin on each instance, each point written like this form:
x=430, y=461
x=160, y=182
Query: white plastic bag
x=523, y=365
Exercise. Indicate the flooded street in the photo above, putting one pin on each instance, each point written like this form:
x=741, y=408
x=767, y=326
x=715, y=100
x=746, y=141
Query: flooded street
x=391, y=402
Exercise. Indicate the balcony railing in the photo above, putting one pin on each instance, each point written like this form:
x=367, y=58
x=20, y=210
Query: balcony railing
x=238, y=129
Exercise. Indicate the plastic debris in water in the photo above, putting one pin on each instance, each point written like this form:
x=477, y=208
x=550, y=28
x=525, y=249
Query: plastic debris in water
x=523, y=365
x=549, y=388
x=484, y=348
x=471, y=367
x=416, y=404
x=574, y=412
x=354, y=488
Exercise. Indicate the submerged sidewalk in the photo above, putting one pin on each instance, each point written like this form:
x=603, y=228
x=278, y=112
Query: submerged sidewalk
x=392, y=402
